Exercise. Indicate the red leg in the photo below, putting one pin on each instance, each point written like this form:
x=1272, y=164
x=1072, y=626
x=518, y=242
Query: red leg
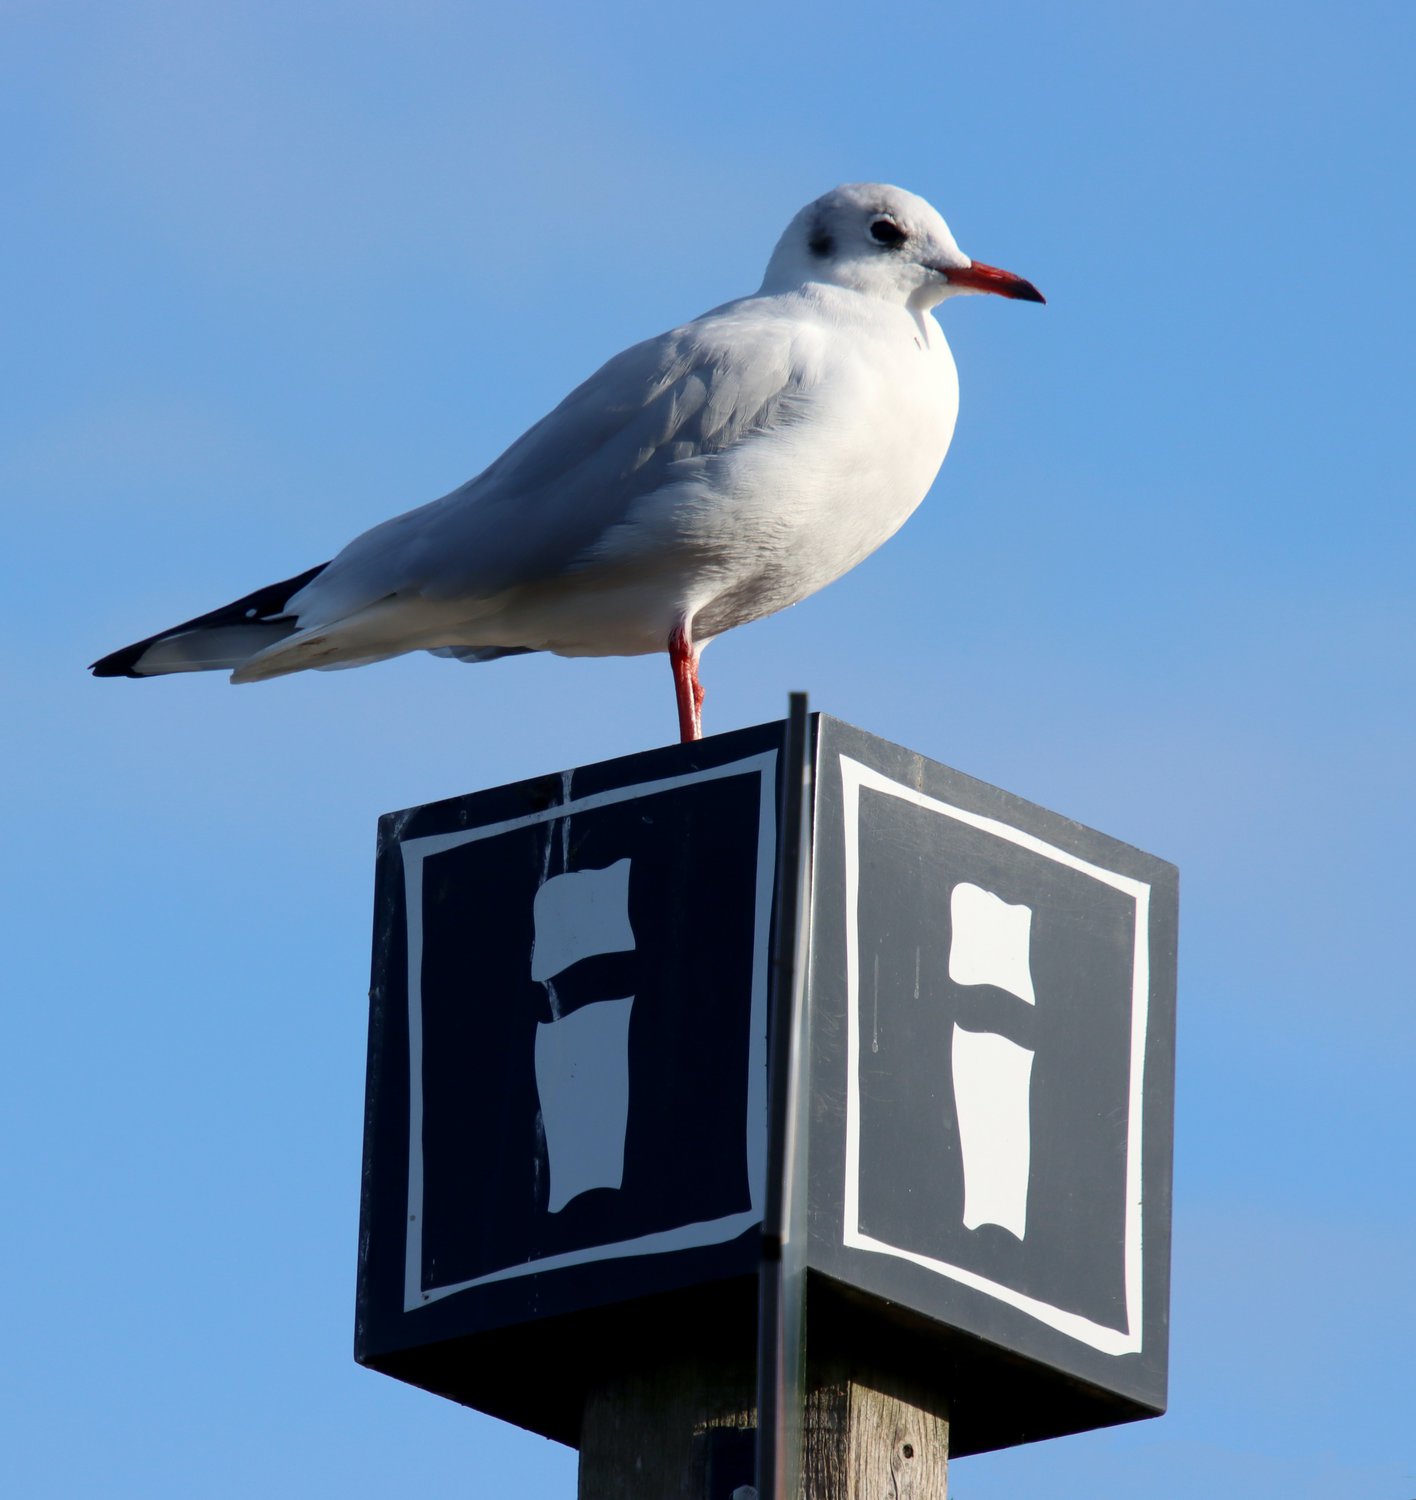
x=688, y=691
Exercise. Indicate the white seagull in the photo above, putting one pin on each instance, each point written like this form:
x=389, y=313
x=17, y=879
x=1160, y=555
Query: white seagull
x=699, y=480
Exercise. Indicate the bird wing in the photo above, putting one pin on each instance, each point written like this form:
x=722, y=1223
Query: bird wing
x=645, y=418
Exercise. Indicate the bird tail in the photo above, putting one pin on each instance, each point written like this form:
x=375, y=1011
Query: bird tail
x=218, y=641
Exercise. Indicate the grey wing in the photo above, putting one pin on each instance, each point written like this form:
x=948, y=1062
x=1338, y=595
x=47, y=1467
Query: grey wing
x=646, y=416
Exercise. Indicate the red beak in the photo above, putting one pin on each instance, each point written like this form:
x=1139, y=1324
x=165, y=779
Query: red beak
x=978, y=277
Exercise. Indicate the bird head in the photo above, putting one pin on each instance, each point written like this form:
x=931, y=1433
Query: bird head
x=886, y=243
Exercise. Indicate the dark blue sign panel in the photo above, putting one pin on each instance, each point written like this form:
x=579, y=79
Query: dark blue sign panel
x=585, y=1052
x=567, y=1079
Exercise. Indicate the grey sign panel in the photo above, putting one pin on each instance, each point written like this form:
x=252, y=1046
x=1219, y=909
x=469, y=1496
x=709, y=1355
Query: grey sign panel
x=566, y=1142
x=993, y=1012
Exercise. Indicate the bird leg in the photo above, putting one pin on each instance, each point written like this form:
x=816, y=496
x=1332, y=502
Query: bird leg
x=688, y=691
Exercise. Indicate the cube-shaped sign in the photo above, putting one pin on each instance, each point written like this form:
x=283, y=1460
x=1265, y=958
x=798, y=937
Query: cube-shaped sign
x=566, y=1139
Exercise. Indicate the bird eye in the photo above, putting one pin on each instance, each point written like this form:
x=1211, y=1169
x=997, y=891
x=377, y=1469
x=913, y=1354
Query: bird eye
x=887, y=232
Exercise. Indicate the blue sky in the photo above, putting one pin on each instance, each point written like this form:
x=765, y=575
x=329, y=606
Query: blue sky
x=275, y=272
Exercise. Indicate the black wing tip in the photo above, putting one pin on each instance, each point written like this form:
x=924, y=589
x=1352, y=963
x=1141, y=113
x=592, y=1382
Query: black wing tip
x=265, y=602
x=120, y=663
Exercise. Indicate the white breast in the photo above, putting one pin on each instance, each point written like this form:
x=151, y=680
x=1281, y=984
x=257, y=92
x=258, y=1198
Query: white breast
x=801, y=505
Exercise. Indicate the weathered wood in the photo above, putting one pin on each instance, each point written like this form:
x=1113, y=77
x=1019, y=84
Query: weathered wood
x=868, y=1444
x=649, y=1435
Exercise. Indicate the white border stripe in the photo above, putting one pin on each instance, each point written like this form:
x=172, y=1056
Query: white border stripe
x=854, y=776
x=685, y=1236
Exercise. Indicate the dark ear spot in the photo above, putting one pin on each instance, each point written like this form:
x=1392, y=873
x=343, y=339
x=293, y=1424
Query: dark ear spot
x=819, y=242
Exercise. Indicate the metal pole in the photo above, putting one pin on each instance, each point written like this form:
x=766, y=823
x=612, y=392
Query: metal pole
x=781, y=1332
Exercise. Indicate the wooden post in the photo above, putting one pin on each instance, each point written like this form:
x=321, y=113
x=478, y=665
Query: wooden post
x=863, y=1443
x=650, y=1434
x=653, y=1435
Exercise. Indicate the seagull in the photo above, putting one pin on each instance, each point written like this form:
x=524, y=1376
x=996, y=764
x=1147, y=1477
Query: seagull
x=697, y=481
